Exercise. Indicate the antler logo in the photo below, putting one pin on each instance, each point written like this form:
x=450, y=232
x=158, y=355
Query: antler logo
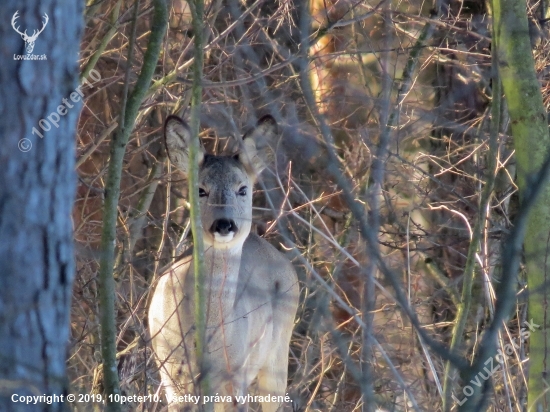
x=29, y=40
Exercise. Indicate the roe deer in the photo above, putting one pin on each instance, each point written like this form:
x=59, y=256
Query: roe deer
x=251, y=289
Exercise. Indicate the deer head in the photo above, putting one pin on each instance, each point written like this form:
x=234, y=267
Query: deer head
x=29, y=40
x=225, y=182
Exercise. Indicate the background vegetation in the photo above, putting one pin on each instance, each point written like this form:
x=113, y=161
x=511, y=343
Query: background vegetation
x=393, y=192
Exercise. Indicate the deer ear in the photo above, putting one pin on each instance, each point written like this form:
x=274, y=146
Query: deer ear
x=257, y=152
x=177, y=137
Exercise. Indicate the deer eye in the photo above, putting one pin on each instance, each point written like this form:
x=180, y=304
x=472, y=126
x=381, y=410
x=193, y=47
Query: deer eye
x=202, y=192
x=242, y=191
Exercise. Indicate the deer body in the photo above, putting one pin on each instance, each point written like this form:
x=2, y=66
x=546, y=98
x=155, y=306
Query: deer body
x=251, y=289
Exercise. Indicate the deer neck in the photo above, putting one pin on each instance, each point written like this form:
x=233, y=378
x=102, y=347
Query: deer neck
x=222, y=268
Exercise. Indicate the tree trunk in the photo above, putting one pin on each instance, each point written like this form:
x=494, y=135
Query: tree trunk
x=532, y=142
x=37, y=187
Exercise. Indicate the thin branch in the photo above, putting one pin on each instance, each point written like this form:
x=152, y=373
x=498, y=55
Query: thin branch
x=127, y=118
x=197, y=11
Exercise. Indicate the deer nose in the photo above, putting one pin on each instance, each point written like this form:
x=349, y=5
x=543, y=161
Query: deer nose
x=223, y=227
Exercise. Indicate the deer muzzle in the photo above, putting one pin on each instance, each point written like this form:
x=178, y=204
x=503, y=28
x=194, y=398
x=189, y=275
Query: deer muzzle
x=224, y=230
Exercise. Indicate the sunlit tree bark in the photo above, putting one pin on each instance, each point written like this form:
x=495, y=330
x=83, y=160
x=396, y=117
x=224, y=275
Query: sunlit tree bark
x=532, y=142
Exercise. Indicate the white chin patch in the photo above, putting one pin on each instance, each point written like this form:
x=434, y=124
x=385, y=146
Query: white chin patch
x=224, y=239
